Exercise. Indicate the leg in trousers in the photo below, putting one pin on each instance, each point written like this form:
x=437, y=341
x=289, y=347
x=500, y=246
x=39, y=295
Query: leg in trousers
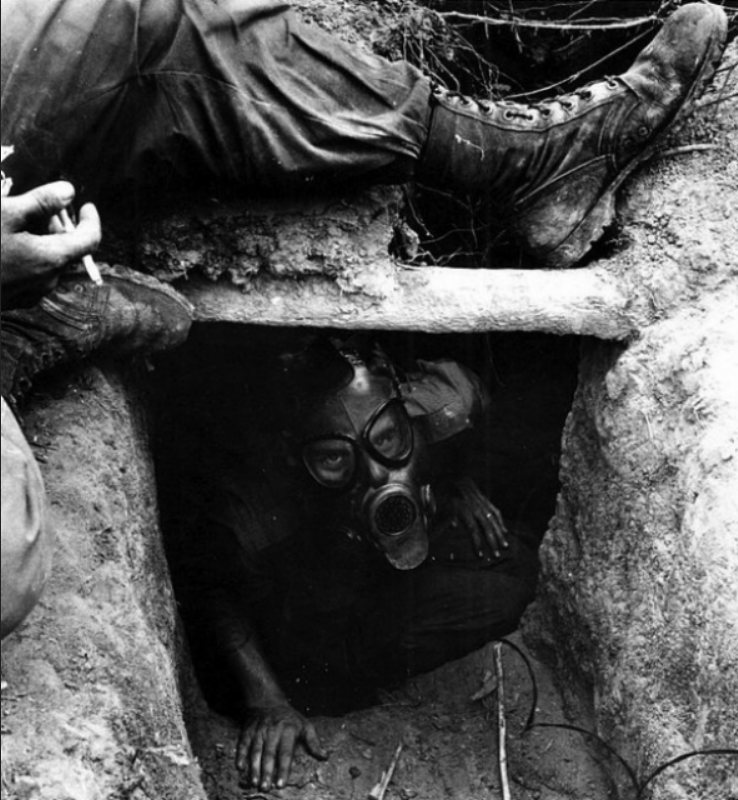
x=115, y=91
x=26, y=537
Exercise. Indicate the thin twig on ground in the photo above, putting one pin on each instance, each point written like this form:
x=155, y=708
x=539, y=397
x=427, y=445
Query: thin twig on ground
x=722, y=99
x=489, y=685
x=687, y=148
x=379, y=791
x=501, y=724
x=516, y=22
x=575, y=76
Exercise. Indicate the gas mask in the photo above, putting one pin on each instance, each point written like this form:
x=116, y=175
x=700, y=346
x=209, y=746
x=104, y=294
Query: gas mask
x=365, y=463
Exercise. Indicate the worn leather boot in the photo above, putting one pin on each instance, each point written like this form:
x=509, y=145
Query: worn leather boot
x=129, y=313
x=552, y=168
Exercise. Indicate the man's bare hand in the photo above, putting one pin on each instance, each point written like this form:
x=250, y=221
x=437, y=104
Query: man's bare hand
x=35, y=250
x=268, y=742
x=481, y=517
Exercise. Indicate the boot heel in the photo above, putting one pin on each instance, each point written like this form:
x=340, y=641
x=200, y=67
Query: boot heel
x=580, y=241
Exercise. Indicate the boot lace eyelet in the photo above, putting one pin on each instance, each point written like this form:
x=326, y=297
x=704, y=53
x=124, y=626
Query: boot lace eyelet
x=612, y=84
x=643, y=131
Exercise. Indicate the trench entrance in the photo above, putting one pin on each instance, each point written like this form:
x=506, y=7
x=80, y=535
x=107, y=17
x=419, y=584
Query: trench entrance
x=214, y=409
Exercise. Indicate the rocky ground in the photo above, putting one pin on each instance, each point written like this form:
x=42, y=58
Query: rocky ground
x=450, y=743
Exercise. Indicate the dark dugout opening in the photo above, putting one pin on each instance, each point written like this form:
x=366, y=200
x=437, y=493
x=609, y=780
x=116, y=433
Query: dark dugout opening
x=214, y=404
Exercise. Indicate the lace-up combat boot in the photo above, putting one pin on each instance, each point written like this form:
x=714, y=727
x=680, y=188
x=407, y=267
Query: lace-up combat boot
x=552, y=168
x=129, y=313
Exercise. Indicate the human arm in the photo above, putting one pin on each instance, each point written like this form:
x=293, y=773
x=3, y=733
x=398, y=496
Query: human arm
x=35, y=248
x=272, y=729
x=473, y=509
x=219, y=583
x=449, y=404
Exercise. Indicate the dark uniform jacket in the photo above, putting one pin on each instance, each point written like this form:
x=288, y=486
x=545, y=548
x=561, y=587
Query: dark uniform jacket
x=306, y=590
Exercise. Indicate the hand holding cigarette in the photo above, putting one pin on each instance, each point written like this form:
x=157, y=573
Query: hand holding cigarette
x=87, y=261
x=39, y=240
x=62, y=218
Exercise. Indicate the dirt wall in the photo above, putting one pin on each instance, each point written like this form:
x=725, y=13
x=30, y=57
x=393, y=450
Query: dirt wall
x=639, y=566
x=90, y=702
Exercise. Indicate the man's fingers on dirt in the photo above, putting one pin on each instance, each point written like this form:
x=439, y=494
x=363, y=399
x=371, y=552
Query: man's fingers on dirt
x=269, y=755
x=40, y=203
x=312, y=743
x=255, y=752
x=242, y=751
x=286, y=751
x=249, y=752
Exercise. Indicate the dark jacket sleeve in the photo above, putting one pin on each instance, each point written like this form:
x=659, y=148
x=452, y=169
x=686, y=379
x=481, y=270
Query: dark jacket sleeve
x=224, y=574
x=444, y=399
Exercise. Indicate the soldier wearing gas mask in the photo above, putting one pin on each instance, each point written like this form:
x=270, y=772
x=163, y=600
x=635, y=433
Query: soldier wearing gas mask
x=360, y=554
x=366, y=469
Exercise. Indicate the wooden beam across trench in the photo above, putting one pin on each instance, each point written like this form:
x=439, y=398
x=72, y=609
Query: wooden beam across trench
x=587, y=302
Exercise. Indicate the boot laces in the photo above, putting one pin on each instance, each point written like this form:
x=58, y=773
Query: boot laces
x=529, y=111
x=571, y=100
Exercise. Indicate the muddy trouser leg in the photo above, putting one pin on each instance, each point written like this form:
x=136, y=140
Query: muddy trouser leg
x=26, y=540
x=404, y=623
x=441, y=612
x=110, y=91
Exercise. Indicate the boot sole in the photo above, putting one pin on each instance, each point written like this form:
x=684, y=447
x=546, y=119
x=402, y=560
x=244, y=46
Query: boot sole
x=594, y=223
x=172, y=325
x=132, y=276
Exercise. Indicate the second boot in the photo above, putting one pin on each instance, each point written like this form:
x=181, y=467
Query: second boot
x=552, y=168
x=130, y=313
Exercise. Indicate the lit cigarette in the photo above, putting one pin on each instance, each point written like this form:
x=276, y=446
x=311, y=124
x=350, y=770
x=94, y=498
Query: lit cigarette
x=87, y=261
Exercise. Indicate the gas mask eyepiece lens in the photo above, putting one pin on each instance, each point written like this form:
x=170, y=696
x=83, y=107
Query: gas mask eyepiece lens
x=389, y=435
x=331, y=461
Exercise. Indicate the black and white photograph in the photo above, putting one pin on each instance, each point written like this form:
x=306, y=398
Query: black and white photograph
x=369, y=380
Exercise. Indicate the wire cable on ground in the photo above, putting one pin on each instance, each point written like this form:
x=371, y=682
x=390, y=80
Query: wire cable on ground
x=638, y=785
